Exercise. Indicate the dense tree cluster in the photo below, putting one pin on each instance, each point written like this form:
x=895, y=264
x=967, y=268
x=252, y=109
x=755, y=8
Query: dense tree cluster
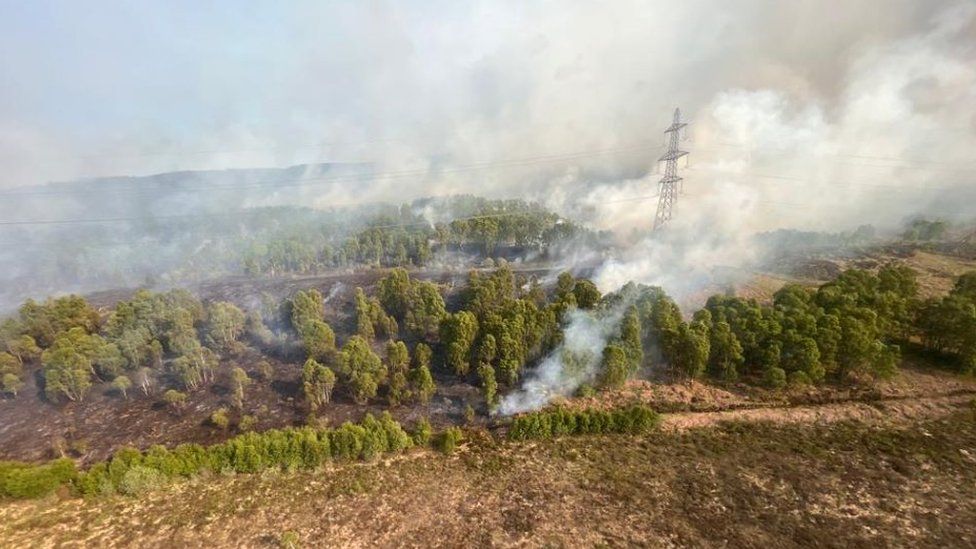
x=848, y=327
x=371, y=320
x=406, y=237
x=504, y=324
x=948, y=324
x=134, y=342
x=925, y=230
x=417, y=304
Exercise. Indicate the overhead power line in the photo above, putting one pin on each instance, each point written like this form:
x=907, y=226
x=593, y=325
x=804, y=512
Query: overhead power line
x=908, y=163
x=352, y=177
x=247, y=212
x=813, y=181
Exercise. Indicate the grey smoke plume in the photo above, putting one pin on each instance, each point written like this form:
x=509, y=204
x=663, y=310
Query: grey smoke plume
x=806, y=114
x=586, y=334
x=895, y=138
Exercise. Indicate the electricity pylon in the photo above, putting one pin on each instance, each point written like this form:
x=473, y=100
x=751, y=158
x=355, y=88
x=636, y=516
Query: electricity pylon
x=669, y=183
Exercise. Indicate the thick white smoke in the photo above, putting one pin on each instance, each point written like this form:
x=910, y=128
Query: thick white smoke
x=897, y=140
x=586, y=334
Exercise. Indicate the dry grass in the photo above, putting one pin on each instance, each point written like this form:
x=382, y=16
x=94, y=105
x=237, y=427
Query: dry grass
x=903, y=482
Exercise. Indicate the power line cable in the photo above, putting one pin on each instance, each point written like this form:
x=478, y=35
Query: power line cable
x=248, y=212
x=357, y=177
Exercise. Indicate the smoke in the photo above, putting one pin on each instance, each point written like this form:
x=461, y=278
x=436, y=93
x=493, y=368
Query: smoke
x=887, y=145
x=811, y=115
x=575, y=362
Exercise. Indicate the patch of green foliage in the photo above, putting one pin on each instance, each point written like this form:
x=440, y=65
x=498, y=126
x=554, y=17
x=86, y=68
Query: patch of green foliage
x=130, y=471
x=558, y=422
x=24, y=480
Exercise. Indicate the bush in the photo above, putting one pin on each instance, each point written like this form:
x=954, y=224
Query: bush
x=585, y=391
x=799, y=379
x=219, y=418
x=449, y=440
x=560, y=422
x=775, y=378
x=24, y=480
x=422, y=432
x=289, y=540
x=141, y=479
x=130, y=471
x=247, y=423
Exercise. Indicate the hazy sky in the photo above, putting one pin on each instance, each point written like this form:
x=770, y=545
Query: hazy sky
x=103, y=88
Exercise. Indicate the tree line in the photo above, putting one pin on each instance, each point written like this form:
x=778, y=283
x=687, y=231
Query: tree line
x=850, y=328
x=411, y=239
x=131, y=471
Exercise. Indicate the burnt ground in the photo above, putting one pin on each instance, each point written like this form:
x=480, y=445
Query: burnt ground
x=31, y=428
x=733, y=465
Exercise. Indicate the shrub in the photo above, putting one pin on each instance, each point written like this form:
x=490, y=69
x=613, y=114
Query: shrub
x=799, y=379
x=422, y=432
x=219, y=418
x=289, y=540
x=585, y=391
x=561, y=422
x=130, y=471
x=24, y=480
x=141, y=479
x=248, y=423
x=449, y=440
x=774, y=378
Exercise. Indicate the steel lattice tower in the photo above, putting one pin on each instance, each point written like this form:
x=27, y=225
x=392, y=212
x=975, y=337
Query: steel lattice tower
x=670, y=182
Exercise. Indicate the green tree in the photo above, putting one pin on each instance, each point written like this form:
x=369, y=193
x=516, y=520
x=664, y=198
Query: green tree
x=225, y=324
x=422, y=355
x=687, y=349
x=630, y=338
x=398, y=362
x=489, y=386
x=45, y=321
x=371, y=319
x=9, y=364
x=422, y=384
x=220, y=419
x=487, y=349
x=586, y=293
x=239, y=381
x=68, y=365
x=11, y=384
x=319, y=340
x=775, y=377
x=725, y=352
x=306, y=306
x=318, y=382
x=363, y=369
x=122, y=385
x=458, y=332
x=394, y=292
x=615, y=366
x=24, y=348
x=425, y=310
x=175, y=399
